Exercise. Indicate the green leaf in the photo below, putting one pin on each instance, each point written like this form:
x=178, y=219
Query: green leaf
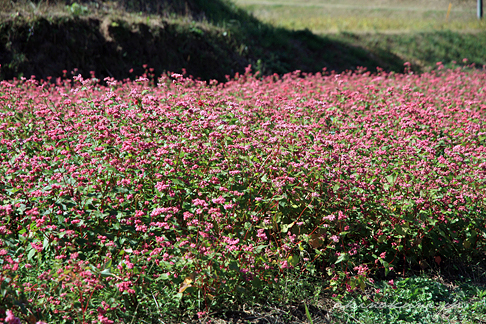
x=386, y=265
x=401, y=229
x=293, y=260
x=45, y=244
x=256, y=282
x=234, y=266
x=391, y=178
x=342, y=257
x=308, y=314
x=177, y=182
x=106, y=273
x=336, y=187
x=362, y=285
x=286, y=227
x=31, y=254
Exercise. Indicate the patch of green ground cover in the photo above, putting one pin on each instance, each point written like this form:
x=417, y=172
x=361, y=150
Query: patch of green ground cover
x=415, y=300
x=432, y=296
x=425, y=297
x=424, y=49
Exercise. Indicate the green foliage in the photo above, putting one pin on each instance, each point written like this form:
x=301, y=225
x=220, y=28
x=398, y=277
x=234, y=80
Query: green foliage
x=77, y=9
x=145, y=199
x=414, y=300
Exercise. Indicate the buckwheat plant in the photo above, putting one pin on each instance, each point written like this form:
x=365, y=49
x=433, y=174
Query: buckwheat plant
x=130, y=199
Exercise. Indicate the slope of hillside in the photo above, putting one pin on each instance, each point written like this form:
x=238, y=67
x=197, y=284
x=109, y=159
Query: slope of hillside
x=209, y=40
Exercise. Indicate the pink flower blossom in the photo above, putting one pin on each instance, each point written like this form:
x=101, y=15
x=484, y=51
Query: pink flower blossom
x=219, y=200
x=11, y=318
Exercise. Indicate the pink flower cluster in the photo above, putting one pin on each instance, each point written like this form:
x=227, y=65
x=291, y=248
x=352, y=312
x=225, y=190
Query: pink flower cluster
x=129, y=187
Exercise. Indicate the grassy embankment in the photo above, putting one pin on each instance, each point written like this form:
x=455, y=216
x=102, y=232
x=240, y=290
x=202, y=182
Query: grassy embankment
x=209, y=40
x=221, y=38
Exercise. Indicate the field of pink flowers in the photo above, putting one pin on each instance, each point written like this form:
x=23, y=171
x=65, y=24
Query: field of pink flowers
x=135, y=197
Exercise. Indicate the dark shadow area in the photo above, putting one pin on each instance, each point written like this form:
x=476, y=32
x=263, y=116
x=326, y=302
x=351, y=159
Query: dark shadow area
x=291, y=313
x=212, y=40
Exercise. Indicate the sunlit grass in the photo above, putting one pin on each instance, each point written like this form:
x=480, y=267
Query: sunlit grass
x=392, y=16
